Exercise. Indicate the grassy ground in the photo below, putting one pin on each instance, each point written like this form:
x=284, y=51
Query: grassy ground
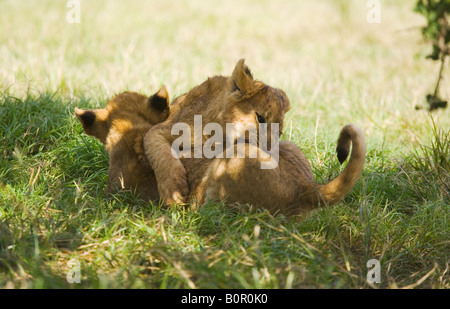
x=335, y=67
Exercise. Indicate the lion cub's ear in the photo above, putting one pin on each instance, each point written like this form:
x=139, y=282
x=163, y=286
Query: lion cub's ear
x=94, y=122
x=241, y=79
x=160, y=100
x=86, y=117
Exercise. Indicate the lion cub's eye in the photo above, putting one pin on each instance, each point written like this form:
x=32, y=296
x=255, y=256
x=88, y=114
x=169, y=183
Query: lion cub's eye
x=260, y=118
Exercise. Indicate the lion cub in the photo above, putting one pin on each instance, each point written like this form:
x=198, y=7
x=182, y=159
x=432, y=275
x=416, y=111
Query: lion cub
x=121, y=127
x=238, y=100
x=290, y=187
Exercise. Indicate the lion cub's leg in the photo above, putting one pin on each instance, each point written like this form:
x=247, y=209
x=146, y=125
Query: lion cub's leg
x=169, y=171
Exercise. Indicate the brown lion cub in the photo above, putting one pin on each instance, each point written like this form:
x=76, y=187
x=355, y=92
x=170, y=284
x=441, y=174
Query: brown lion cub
x=290, y=187
x=121, y=127
x=238, y=100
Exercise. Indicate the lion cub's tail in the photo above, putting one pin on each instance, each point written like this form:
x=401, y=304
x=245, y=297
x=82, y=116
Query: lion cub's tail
x=333, y=192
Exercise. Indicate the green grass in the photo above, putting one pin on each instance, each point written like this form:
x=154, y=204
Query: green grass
x=335, y=67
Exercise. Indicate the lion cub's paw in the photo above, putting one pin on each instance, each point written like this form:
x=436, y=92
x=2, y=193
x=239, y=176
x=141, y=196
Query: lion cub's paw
x=174, y=189
x=172, y=193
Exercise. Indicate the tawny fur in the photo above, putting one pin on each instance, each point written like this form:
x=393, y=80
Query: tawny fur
x=121, y=127
x=237, y=99
x=290, y=188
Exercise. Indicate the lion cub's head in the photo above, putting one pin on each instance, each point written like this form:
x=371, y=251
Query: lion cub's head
x=252, y=102
x=124, y=112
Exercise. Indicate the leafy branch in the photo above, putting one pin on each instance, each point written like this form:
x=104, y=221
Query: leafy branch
x=436, y=31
